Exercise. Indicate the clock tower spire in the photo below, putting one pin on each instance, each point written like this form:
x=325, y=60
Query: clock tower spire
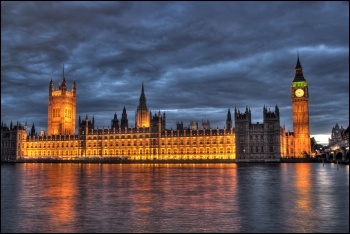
x=300, y=109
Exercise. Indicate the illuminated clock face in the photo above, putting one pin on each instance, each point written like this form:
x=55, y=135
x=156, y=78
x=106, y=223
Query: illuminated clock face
x=299, y=92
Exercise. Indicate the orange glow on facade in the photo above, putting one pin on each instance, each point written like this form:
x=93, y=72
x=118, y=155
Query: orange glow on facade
x=142, y=116
x=61, y=110
x=140, y=144
x=300, y=108
x=150, y=139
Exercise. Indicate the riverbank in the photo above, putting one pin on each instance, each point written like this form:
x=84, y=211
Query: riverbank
x=299, y=160
x=120, y=160
x=169, y=161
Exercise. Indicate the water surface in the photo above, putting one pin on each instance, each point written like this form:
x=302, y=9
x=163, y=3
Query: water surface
x=263, y=197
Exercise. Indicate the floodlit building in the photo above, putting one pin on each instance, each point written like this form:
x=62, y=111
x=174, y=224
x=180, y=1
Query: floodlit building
x=338, y=143
x=150, y=138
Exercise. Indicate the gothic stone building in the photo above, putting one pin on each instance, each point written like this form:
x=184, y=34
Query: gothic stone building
x=150, y=139
x=260, y=141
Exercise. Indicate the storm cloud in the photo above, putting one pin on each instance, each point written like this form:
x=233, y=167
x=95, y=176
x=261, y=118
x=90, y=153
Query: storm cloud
x=195, y=59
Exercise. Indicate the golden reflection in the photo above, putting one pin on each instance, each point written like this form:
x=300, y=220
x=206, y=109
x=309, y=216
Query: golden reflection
x=61, y=190
x=49, y=190
x=302, y=185
x=207, y=189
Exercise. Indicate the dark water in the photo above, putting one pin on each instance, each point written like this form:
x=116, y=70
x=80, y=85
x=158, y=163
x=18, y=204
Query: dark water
x=297, y=197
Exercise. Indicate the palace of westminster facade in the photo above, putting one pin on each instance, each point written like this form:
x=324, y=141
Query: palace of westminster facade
x=150, y=139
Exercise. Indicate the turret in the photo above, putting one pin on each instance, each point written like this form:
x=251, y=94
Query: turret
x=164, y=121
x=115, y=121
x=228, y=120
x=193, y=125
x=270, y=115
x=157, y=122
x=85, y=126
x=205, y=124
x=74, y=89
x=124, y=120
x=179, y=125
x=63, y=85
x=243, y=116
x=51, y=88
x=277, y=110
x=32, y=131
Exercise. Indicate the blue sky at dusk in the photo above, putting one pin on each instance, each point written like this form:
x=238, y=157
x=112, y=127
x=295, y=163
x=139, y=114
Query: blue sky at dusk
x=195, y=59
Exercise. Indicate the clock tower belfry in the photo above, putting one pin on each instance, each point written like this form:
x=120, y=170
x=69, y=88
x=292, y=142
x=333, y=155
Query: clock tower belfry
x=300, y=109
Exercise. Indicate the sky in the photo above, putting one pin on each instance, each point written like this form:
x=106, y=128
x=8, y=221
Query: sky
x=196, y=60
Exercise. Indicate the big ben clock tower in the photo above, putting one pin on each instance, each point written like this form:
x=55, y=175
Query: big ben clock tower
x=300, y=108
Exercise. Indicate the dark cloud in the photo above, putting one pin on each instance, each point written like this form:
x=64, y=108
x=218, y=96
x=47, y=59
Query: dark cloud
x=196, y=59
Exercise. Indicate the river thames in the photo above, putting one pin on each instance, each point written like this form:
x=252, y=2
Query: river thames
x=247, y=197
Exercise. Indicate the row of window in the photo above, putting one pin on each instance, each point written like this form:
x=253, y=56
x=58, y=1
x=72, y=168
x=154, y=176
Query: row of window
x=94, y=144
x=67, y=112
x=256, y=149
x=133, y=136
x=258, y=157
x=122, y=152
x=49, y=146
x=183, y=157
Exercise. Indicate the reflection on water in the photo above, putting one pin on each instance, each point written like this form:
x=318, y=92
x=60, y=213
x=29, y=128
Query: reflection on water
x=301, y=197
x=303, y=186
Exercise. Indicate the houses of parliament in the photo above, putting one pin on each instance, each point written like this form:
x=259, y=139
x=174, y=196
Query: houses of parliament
x=150, y=139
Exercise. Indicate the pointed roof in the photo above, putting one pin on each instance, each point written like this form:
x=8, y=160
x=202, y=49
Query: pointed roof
x=64, y=78
x=298, y=63
x=298, y=72
x=229, y=115
x=142, y=92
x=142, y=102
x=51, y=88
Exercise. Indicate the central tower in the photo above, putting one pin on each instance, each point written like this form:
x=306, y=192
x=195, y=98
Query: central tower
x=142, y=116
x=300, y=108
x=62, y=109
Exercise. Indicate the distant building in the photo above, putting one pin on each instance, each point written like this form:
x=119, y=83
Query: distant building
x=205, y=124
x=193, y=125
x=346, y=143
x=336, y=139
x=338, y=143
x=346, y=138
